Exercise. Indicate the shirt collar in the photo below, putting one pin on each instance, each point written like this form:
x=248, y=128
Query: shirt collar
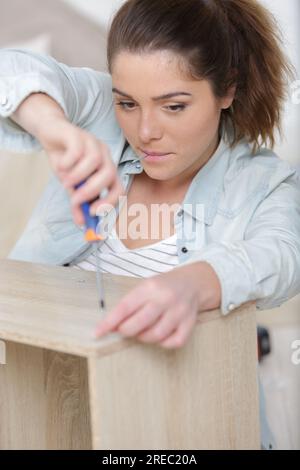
x=207, y=185
x=128, y=155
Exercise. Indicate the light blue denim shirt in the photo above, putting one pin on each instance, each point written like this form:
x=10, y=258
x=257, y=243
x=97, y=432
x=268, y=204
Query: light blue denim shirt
x=248, y=223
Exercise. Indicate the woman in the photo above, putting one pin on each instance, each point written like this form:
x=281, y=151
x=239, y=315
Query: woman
x=195, y=92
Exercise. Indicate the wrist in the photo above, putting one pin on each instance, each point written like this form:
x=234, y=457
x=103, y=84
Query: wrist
x=52, y=125
x=35, y=113
x=207, y=285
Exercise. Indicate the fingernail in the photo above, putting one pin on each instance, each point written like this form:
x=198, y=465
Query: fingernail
x=103, y=209
x=101, y=213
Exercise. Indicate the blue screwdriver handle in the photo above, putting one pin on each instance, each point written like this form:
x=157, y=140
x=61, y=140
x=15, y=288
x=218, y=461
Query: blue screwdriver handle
x=91, y=221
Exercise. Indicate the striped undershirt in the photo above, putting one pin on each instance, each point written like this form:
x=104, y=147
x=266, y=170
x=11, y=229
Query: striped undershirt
x=116, y=258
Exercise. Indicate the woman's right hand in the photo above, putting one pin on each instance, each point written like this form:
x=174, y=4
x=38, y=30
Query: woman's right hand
x=75, y=156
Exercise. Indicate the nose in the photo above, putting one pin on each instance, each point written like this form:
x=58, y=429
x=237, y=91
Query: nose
x=149, y=127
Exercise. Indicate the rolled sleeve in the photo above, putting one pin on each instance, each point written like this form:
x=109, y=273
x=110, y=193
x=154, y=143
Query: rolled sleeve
x=230, y=264
x=265, y=265
x=13, y=91
x=80, y=92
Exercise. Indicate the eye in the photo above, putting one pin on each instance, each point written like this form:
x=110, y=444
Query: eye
x=175, y=108
x=128, y=105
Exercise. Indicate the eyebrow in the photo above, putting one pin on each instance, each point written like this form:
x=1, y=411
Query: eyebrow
x=155, y=98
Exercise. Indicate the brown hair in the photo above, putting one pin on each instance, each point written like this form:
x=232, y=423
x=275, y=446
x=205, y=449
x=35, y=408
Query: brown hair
x=228, y=42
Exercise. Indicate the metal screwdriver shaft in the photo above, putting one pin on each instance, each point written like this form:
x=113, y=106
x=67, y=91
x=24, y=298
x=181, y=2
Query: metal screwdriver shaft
x=99, y=280
x=91, y=235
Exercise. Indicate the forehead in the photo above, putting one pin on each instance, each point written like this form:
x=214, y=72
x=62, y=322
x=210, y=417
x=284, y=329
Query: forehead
x=143, y=76
x=160, y=66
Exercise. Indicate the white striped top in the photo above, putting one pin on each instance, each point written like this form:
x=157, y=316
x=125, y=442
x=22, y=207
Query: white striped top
x=116, y=258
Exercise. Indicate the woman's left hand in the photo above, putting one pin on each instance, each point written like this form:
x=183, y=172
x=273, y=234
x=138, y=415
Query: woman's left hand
x=163, y=309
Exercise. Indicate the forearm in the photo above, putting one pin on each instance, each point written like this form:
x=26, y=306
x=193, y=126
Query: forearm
x=34, y=112
x=206, y=283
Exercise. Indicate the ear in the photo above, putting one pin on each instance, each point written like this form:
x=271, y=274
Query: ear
x=227, y=100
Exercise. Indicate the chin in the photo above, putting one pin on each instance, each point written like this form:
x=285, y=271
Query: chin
x=159, y=175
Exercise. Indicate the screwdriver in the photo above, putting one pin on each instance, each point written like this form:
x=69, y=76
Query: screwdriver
x=91, y=236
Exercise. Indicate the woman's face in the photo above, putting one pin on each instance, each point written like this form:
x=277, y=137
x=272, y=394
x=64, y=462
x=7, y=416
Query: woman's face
x=183, y=127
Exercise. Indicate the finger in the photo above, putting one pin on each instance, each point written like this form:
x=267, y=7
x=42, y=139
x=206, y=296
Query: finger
x=179, y=337
x=54, y=160
x=111, y=200
x=167, y=323
x=95, y=157
x=134, y=300
x=76, y=211
x=142, y=319
x=78, y=216
x=62, y=175
x=70, y=158
x=91, y=188
x=83, y=169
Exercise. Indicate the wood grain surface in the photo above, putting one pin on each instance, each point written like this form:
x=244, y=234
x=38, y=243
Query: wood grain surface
x=62, y=389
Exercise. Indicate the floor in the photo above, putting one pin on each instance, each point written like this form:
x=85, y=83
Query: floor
x=280, y=376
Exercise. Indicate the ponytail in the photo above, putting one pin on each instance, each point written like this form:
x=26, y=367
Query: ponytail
x=228, y=42
x=263, y=71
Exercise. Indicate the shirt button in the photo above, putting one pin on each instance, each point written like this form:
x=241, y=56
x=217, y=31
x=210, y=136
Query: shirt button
x=231, y=307
x=3, y=100
x=8, y=106
x=138, y=166
x=180, y=213
x=184, y=249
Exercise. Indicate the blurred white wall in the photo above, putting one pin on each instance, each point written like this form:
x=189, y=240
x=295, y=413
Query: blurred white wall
x=288, y=16
x=53, y=27
x=287, y=13
x=100, y=11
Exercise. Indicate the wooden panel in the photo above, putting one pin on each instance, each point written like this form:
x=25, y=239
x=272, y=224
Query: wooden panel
x=202, y=396
x=56, y=308
x=43, y=400
x=2, y=353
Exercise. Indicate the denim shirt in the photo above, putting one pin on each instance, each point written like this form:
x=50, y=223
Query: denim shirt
x=241, y=213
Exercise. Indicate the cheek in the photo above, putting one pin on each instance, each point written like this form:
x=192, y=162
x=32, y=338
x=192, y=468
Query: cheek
x=124, y=121
x=200, y=127
x=119, y=117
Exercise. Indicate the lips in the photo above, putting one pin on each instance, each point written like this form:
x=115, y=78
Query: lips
x=154, y=154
